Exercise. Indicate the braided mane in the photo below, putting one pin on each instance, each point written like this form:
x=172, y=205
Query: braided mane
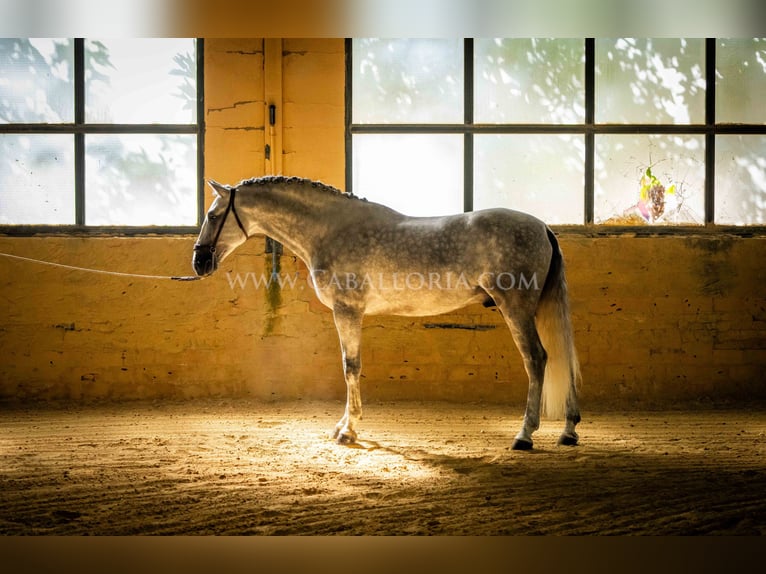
x=301, y=181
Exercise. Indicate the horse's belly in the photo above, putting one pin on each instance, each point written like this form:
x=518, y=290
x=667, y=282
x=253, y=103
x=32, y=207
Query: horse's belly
x=399, y=293
x=419, y=303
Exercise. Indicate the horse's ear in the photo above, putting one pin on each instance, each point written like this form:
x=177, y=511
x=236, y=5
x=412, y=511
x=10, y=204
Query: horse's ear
x=217, y=188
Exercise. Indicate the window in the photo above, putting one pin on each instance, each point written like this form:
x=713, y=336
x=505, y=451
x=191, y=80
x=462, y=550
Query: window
x=625, y=131
x=100, y=133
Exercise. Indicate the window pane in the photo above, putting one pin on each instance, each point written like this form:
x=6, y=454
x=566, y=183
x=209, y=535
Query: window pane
x=36, y=80
x=650, y=80
x=414, y=174
x=140, y=179
x=626, y=195
x=740, y=80
x=36, y=179
x=740, y=180
x=536, y=80
x=141, y=81
x=407, y=81
x=540, y=174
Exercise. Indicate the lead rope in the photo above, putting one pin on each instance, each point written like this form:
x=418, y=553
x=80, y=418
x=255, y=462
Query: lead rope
x=101, y=271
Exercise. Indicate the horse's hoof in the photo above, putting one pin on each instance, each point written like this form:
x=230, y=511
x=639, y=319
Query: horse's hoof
x=567, y=440
x=521, y=444
x=346, y=437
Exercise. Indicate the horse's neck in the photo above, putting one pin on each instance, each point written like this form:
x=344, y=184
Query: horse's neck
x=297, y=218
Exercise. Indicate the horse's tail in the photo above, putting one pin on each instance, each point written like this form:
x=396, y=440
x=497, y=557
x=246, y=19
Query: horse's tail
x=555, y=329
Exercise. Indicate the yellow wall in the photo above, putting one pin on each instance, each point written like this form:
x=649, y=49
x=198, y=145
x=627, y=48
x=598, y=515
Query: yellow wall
x=656, y=318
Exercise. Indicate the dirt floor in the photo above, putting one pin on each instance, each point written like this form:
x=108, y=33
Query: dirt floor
x=243, y=467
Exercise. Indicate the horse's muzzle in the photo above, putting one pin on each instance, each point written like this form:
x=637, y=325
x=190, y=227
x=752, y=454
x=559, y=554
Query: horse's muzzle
x=204, y=260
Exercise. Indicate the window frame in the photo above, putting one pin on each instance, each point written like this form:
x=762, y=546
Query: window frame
x=79, y=128
x=589, y=129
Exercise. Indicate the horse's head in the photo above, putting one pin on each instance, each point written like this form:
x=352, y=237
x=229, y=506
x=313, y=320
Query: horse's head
x=221, y=233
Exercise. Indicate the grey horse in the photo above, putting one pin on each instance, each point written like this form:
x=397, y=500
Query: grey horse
x=367, y=259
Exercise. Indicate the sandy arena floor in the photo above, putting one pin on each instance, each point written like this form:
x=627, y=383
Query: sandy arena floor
x=243, y=467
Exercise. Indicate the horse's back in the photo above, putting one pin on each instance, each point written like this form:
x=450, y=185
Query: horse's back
x=496, y=221
x=385, y=234
x=502, y=235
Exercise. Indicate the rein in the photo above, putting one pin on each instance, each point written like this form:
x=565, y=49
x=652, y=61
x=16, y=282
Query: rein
x=230, y=208
x=101, y=271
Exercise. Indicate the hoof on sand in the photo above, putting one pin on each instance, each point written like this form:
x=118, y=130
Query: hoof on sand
x=346, y=437
x=567, y=440
x=520, y=444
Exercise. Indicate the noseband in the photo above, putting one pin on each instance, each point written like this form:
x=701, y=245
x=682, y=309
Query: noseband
x=229, y=208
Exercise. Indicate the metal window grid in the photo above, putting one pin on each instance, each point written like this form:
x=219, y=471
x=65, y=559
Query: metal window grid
x=589, y=129
x=80, y=128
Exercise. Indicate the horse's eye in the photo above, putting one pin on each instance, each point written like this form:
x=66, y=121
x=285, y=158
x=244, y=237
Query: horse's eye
x=212, y=217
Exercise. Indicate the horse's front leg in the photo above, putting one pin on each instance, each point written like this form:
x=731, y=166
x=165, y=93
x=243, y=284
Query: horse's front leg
x=348, y=321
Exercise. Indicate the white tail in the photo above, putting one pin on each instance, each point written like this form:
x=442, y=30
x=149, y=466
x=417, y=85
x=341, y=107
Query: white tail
x=554, y=327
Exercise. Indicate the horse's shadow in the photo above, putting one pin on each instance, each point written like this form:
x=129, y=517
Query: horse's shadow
x=459, y=464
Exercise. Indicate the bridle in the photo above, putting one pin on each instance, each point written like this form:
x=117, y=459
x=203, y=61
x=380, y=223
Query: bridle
x=229, y=208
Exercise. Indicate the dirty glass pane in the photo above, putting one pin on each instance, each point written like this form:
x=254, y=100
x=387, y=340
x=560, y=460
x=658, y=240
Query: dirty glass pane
x=137, y=179
x=36, y=179
x=650, y=80
x=417, y=175
x=740, y=80
x=673, y=190
x=141, y=81
x=539, y=174
x=36, y=80
x=407, y=81
x=740, y=179
x=531, y=80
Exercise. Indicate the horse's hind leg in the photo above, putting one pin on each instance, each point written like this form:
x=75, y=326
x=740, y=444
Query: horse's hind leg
x=525, y=336
x=348, y=322
x=569, y=437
